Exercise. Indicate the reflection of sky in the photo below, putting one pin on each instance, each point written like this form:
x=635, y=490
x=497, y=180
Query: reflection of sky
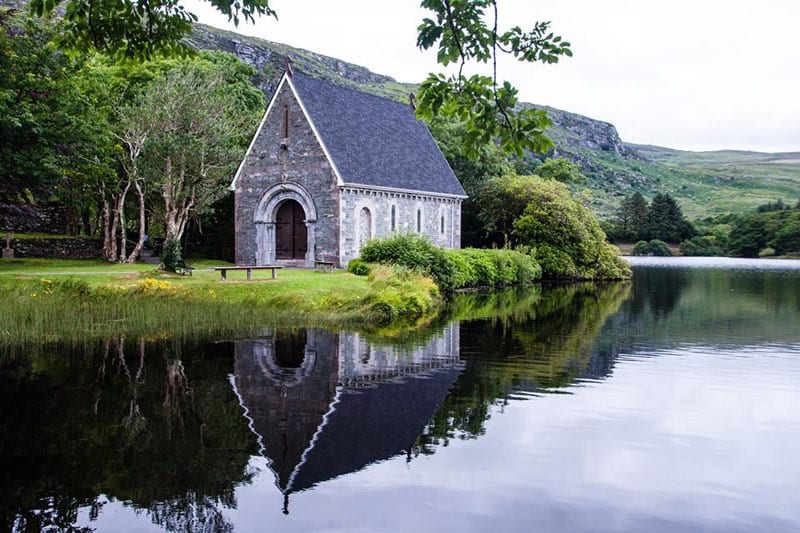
x=685, y=440
x=677, y=440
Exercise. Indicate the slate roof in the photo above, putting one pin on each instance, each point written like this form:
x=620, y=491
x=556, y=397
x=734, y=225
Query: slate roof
x=375, y=141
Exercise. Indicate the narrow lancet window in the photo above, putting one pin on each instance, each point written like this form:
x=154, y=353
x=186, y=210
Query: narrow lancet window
x=394, y=218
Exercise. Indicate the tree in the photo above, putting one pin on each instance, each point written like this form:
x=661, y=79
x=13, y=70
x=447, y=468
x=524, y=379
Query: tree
x=473, y=172
x=748, y=236
x=201, y=114
x=54, y=142
x=502, y=201
x=136, y=29
x=631, y=218
x=787, y=238
x=560, y=169
x=665, y=220
x=565, y=237
x=463, y=32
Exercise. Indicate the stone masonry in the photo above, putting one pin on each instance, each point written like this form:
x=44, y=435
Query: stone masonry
x=281, y=168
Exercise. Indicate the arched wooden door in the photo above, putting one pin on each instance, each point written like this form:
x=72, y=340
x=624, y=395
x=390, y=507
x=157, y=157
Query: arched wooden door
x=291, y=234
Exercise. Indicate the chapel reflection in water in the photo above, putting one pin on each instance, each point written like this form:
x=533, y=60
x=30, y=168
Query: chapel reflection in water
x=323, y=404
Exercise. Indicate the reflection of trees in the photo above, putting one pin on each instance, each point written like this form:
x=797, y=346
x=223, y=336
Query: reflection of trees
x=155, y=424
x=664, y=289
x=545, y=344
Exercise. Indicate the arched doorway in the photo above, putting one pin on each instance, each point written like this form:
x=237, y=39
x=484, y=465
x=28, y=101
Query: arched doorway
x=291, y=234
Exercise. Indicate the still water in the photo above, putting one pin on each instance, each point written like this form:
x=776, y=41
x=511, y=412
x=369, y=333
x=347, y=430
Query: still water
x=670, y=403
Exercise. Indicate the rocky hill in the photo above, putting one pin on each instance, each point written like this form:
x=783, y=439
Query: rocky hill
x=704, y=183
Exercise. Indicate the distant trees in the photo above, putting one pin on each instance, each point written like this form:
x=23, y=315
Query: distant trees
x=662, y=219
x=764, y=233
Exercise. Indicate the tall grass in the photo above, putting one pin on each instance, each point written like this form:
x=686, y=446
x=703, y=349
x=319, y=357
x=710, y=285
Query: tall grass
x=72, y=309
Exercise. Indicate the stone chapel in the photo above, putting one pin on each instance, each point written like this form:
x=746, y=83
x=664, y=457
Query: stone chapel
x=331, y=167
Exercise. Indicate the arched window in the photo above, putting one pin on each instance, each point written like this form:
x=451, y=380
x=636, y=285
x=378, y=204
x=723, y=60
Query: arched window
x=364, y=227
x=419, y=220
x=286, y=122
x=394, y=218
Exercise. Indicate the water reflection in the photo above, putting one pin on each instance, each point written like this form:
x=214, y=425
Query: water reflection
x=153, y=424
x=323, y=404
x=606, y=392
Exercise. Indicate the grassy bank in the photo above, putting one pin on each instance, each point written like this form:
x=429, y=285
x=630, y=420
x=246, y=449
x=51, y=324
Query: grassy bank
x=72, y=300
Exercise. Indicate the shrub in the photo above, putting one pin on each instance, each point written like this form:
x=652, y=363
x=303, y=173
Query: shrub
x=659, y=248
x=641, y=248
x=655, y=247
x=767, y=252
x=452, y=269
x=700, y=246
x=171, y=255
x=400, y=292
x=359, y=267
x=566, y=237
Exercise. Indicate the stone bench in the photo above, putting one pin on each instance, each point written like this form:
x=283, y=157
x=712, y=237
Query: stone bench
x=223, y=271
x=324, y=266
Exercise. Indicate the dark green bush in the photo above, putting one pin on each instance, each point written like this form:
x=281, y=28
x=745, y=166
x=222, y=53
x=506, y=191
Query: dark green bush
x=700, y=246
x=641, y=248
x=655, y=247
x=171, y=255
x=359, y=267
x=659, y=248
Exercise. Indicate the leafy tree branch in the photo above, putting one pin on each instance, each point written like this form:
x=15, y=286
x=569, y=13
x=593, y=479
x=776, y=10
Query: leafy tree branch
x=460, y=32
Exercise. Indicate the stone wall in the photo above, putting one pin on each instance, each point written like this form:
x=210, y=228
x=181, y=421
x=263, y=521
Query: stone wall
x=279, y=168
x=57, y=248
x=33, y=219
x=436, y=217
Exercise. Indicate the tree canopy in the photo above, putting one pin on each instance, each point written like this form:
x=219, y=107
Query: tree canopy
x=136, y=29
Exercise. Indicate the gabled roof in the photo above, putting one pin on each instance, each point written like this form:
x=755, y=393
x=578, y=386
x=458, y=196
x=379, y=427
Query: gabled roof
x=373, y=141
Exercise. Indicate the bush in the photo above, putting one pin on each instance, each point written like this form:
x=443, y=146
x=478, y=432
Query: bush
x=412, y=251
x=655, y=247
x=359, y=267
x=566, y=237
x=659, y=248
x=641, y=248
x=700, y=246
x=171, y=255
x=452, y=269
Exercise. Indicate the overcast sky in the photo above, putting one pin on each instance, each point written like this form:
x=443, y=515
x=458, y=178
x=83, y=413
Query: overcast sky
x=694, y=75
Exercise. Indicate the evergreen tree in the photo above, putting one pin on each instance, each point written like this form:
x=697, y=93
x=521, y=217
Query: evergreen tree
x=665, y=220
x=631, y=218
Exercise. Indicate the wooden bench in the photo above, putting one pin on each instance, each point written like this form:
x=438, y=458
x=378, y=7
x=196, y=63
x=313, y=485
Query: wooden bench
x=324, y=266
x=223, y=271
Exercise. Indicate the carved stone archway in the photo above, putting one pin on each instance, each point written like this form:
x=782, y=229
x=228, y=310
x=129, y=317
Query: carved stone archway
x=265, y=221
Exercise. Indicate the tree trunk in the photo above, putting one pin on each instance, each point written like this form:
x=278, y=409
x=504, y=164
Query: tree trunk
x=108, y=236
x=142, y=220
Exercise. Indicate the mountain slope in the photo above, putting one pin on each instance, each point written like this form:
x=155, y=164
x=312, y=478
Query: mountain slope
x=704, y=183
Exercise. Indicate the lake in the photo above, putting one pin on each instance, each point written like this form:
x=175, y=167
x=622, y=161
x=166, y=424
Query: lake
x=668, y=403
